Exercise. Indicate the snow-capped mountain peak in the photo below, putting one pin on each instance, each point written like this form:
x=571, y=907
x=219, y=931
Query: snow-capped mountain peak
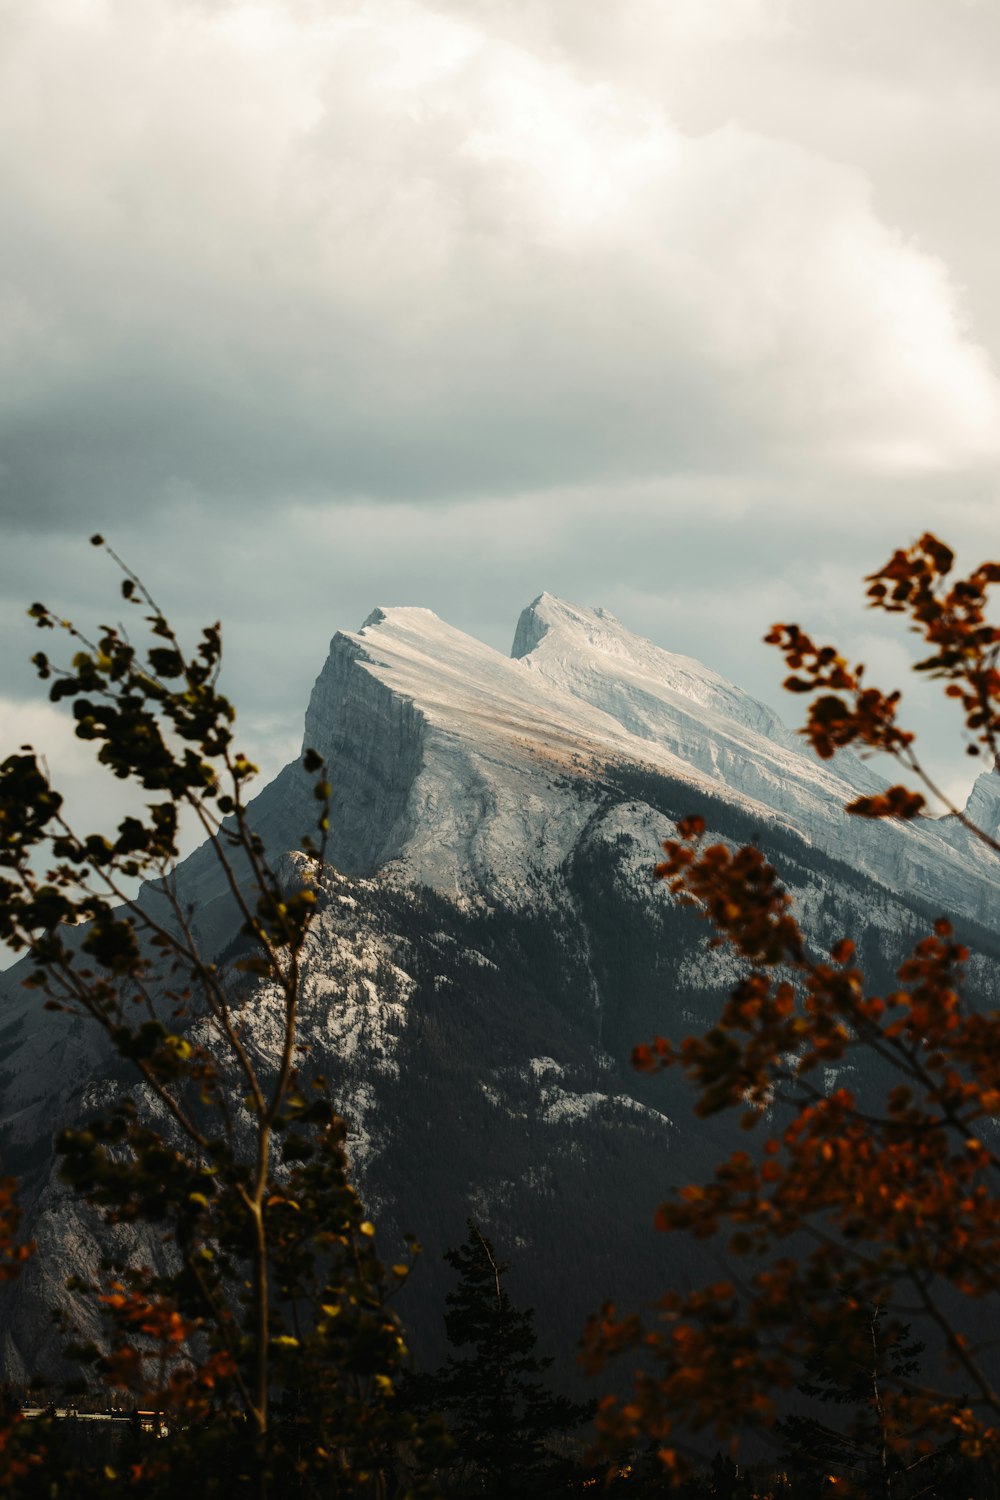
x=454, y=752
x=983, y=807
x=591, y=642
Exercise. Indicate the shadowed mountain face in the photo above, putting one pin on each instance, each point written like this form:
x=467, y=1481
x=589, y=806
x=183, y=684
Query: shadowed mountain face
x=489, y=946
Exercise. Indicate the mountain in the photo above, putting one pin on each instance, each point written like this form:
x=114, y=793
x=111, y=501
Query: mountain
x=490, y=946
x=448, y=756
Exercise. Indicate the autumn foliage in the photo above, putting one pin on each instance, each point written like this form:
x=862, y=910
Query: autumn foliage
x=963, y=653
x=853, y=1206
x=262, y=1330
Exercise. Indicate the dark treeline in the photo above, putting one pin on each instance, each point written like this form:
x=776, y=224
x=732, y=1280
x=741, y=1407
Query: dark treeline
x=494, y=1428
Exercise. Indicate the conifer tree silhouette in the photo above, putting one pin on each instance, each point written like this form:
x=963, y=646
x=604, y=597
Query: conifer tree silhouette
x=499, y=1413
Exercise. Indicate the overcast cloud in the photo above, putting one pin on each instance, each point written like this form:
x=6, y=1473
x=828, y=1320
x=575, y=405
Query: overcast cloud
x=686, y=307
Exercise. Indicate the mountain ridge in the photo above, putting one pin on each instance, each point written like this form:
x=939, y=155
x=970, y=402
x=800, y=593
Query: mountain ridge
x=579, y=692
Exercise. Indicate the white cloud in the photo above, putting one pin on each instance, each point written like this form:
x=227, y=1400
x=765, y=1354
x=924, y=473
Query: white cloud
x=374, y=249
x=70, y=762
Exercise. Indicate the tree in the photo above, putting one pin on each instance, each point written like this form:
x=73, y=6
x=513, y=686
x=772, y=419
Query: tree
x=498, y=1413
x=225, y=1151
x=850, y=1375
x=851, y=1202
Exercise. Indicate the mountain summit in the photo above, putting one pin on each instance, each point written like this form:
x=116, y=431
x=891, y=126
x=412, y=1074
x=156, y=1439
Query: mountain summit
x=447, y=756
x=450, y=764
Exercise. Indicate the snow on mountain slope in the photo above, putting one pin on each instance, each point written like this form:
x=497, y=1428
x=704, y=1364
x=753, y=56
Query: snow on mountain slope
x=572, y=645
x=581, y=693
x=450, y=764
x=495, y=738
x=689, y=709
x=983, y=806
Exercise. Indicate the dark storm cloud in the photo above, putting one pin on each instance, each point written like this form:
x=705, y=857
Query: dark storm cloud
x=342, y=251
x=685, y=309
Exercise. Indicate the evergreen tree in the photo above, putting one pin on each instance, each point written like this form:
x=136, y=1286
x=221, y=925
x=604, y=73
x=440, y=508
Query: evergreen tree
x=865, y=1447
x=499, y=1413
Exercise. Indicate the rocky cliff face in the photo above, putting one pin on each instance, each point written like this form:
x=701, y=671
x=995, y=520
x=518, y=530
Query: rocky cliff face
x=984, y=802
x=448, y=757
x=490, y=946
x=451, y=762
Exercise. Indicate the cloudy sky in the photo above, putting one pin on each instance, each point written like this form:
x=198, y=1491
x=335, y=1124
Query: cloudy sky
x=684, y=307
